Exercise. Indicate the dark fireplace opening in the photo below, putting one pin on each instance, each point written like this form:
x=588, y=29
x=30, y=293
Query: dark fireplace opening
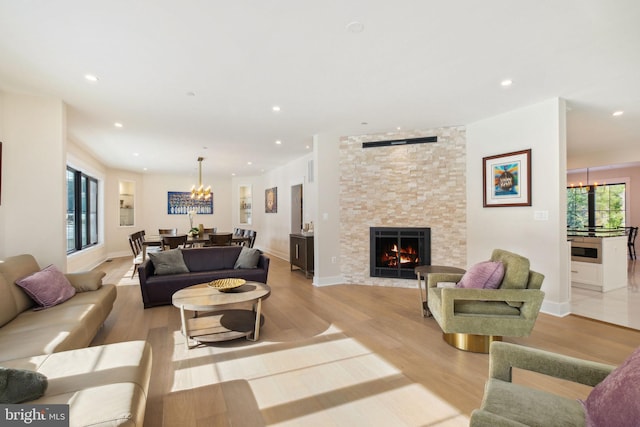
x=396, y=251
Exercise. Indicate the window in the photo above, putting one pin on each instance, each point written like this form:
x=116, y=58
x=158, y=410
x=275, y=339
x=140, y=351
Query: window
x=82, y=210
x=598, y=206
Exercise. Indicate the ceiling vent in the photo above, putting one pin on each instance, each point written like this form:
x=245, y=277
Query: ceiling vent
x=423, y=140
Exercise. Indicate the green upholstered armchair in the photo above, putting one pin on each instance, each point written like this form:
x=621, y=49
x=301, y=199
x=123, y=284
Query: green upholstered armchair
x=472, y=318
x=508, y=404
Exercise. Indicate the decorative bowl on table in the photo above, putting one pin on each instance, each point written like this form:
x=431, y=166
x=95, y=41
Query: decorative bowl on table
x=224, y=285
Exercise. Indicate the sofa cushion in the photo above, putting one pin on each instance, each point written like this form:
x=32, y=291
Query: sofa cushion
x=47, y=287
x=168, y=262
x=15, y=268
x=211, y=258
x=248, y=258
x=86, y=280
x=614, y=402
x=66, y=326
x=484, y=275
x=103, y=385
x=8, y=309
x=21, y=385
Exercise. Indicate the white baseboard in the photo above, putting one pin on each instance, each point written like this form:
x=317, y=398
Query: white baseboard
x=327, y=281
x=556, y=309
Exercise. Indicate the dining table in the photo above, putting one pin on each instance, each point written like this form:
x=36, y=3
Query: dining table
x=156, y=240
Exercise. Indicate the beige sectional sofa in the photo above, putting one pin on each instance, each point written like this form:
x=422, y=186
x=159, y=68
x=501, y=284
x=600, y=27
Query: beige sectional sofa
x=70, y=325
x=103, y=385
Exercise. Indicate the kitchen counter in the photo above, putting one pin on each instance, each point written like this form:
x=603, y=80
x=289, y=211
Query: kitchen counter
x=595, y=232
x=606, y=272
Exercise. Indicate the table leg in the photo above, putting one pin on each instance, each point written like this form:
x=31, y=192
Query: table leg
x=420, y=293
x=424, y=311
x=257, y=309
x=185, y=328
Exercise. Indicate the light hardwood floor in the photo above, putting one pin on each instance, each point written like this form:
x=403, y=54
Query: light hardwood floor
x=338, y=355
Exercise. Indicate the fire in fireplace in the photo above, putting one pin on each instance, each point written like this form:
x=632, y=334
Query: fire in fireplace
x=395, y=251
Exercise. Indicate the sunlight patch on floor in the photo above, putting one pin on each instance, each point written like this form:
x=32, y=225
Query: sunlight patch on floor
x=330, y=379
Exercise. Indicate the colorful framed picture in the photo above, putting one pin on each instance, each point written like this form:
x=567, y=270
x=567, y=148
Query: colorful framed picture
x=507, y=179
x=181, y=203
x=271, y=200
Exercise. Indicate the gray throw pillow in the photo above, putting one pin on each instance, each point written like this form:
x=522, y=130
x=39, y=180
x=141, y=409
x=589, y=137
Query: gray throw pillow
x=20, y=385
x=168, y=262
x=248, y=258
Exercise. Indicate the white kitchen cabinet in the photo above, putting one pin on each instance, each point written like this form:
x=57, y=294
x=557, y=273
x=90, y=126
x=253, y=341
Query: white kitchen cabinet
x=608, y=275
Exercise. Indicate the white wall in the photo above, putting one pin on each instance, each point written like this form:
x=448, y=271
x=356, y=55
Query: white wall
x=326, y=148
x=32, y=213
x=151, y=203
x=542, y=128
x=273, y=229
x=117, y=242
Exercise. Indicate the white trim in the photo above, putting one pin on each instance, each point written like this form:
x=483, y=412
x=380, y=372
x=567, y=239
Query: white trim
x=556, y=309
x=328, y=281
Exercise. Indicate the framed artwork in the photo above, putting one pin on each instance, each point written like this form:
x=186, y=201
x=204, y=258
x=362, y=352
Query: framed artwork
x=271, y=200
x=181, y=203
x=507, y=179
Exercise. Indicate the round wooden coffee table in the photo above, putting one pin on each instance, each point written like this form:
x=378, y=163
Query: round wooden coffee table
x=218, y=324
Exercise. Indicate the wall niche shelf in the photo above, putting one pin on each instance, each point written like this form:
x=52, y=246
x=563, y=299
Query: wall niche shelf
x=245, y=205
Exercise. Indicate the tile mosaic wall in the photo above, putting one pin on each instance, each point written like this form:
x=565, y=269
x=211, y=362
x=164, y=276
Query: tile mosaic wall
x=421, y=185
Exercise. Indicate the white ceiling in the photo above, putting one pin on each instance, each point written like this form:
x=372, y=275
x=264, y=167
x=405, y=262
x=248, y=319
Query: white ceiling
x=185, y=75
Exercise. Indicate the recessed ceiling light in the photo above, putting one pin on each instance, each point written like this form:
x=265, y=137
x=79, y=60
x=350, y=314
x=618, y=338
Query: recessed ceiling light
x=91, y=78
x=233, y=174
x=398, y=128
x=276, y=108
x=145, y=169
x=355, y=27
x=278, y=142
x=136, y=154
x=618, y=113
x=118, y=124
x=506, y=83
x=249, y=163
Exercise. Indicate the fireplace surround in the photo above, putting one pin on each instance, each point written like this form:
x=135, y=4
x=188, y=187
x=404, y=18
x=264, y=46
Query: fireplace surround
x=396, y=251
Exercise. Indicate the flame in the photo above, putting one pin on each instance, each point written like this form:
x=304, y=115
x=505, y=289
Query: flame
x=407, y=255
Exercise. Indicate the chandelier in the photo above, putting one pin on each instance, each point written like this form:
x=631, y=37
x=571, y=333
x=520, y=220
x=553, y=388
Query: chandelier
x=587, y=187
x=200, y=193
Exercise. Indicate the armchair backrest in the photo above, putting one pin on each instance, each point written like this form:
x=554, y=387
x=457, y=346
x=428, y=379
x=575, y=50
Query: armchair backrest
x=516, y=269
x=535, y=280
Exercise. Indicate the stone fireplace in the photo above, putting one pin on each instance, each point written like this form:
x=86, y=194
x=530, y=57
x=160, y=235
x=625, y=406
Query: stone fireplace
x=419, y=185
x=396, y=251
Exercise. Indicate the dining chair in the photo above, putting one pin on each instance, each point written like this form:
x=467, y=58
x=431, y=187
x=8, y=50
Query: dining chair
x=168, y=231
x=173, y=242
x=631, y=241
x=252, y=238
x=135, y=242
x=220, y=239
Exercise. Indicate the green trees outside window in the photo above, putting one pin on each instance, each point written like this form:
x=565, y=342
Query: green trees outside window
x=596, y=206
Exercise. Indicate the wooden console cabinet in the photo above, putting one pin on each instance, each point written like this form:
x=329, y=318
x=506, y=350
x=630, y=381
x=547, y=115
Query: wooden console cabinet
x=301, y=252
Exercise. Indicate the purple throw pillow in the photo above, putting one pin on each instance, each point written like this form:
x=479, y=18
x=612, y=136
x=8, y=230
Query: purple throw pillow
x=484, y=275
x=47, y=287
x=615, y=401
